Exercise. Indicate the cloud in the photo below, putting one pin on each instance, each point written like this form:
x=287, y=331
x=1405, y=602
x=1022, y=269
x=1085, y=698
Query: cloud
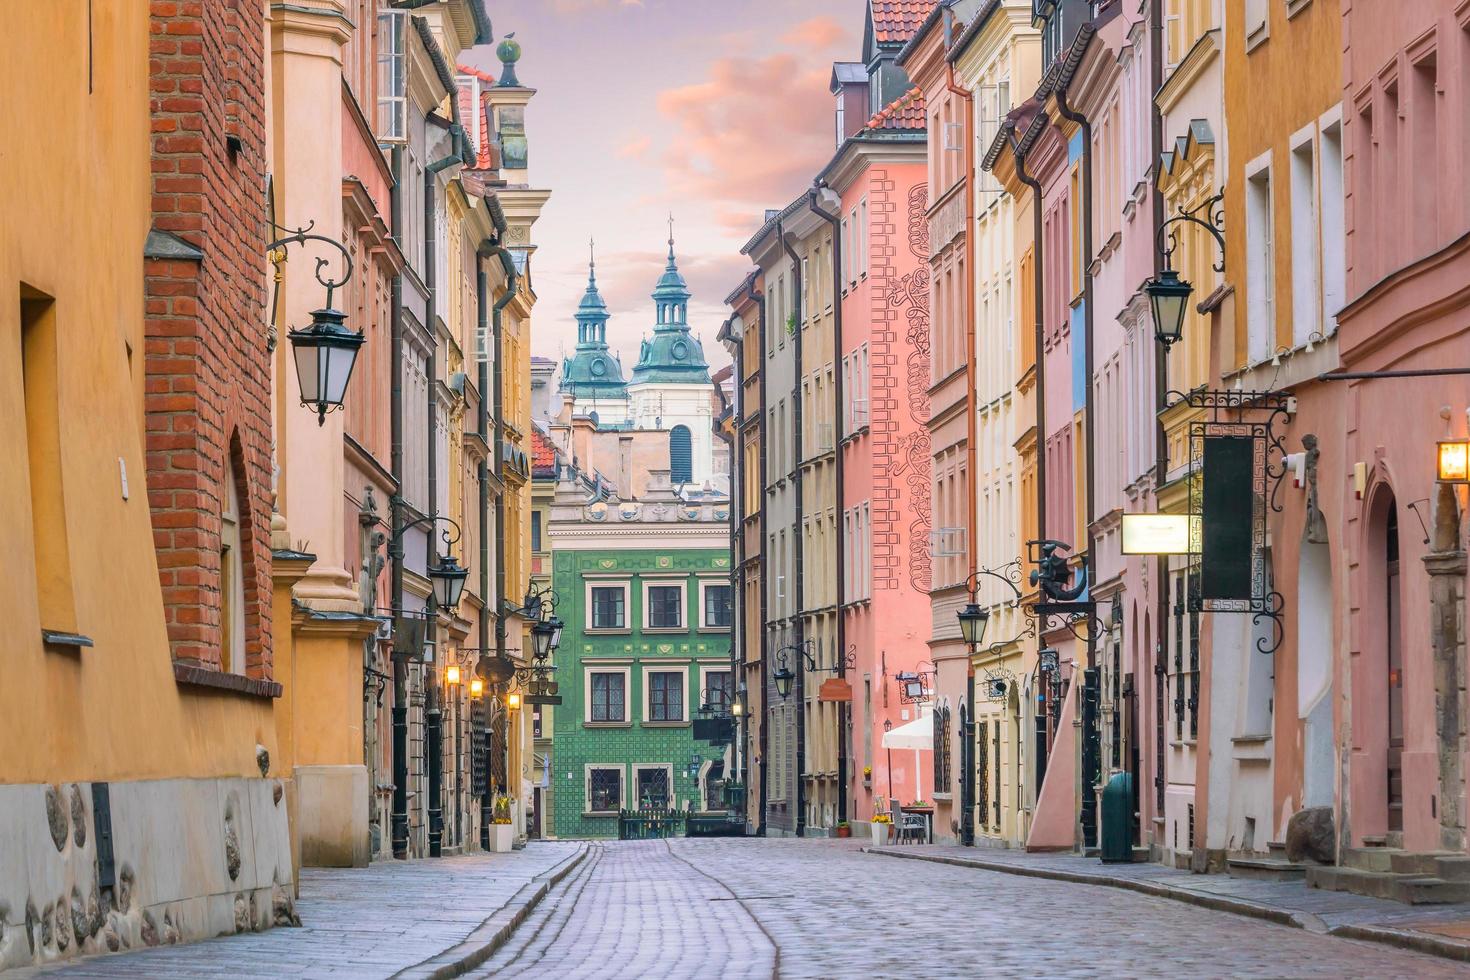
x=817, y=32
x=751, y=135
x=635, y=147
x=567, y=8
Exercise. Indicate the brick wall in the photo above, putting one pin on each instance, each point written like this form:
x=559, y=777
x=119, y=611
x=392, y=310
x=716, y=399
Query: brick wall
x=208, y=366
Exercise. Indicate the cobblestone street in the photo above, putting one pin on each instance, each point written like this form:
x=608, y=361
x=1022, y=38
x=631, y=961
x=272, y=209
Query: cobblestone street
x=749, y=908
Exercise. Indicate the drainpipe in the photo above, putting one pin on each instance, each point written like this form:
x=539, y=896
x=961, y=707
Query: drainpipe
x=764, y=730
x=433, y=696
x=972, y=434
x=837, y=390
x=1039, y=315
x=798, y=545
x=497, y=386
x=737, y=541
x=1161, y=387
x=399, y=818
x=482, y=428
x=1091, y=740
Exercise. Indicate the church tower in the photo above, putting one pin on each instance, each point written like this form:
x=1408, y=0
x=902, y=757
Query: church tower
x=670, y=387
x=593, y=376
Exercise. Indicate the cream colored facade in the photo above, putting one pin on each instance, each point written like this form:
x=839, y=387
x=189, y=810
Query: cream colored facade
x=1000, y=65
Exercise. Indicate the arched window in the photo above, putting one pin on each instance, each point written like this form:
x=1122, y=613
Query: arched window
x=232, y=577
x=681, y=455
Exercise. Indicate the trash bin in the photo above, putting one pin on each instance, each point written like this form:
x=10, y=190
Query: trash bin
x=1117, y=819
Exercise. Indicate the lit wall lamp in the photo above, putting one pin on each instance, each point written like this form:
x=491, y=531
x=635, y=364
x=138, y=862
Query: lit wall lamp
x=1453, y=461
x=477, y=687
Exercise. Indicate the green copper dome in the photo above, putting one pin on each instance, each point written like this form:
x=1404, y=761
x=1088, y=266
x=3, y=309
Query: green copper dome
x=673, y=355
x=594, y=372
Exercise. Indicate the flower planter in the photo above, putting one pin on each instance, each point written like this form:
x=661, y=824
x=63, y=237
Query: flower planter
x=844, y=831
x=501, y=837
x=880, y=833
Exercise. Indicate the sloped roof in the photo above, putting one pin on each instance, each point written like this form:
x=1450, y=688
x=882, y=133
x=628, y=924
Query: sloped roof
x=906, y=112
x=895, y=21
x=543, y=453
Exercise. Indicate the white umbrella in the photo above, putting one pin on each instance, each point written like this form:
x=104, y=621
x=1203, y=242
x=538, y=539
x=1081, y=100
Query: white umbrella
x=917, y=735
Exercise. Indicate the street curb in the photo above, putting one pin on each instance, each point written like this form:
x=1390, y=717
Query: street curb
x=1403, y=939
x=493, y=933
x=1418, y=942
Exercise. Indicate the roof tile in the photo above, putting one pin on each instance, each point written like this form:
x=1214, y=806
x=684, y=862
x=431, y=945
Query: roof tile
x=895, y=21
x=904, y=113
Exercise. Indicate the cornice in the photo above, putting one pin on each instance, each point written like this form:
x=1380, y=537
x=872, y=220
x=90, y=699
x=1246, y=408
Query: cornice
x=1188, y=71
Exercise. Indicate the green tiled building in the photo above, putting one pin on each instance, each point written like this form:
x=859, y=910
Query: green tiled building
x=644, y=591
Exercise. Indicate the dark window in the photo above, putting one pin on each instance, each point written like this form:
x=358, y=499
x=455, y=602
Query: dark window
x=666, y=696
x=605, y=790
x=653, y=788
x=608, y=697
x=681, y=455
x=665, y=606
x=607, y=607
x=535, y=530
x=717, y=606
x=720, y=690
x=941, y=750
x=982, y=770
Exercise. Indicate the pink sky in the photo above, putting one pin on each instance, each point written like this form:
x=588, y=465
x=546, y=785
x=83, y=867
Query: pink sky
x=711, y=109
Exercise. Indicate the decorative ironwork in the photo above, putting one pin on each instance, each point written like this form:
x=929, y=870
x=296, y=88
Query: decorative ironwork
x=916, y=686
x=982, y=771
x=999, y=683
x=1213, y=221
x=276, y=250
x=942, y=770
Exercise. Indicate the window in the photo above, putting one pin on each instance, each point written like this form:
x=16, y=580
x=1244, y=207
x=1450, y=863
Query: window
x=681, y=455
x=941, y=750
x=392, y=77
x=654, y=787
x=841, y=118
x=604, y=789
x=664, y=607
x=1334, y=289
x=1260, y=262
x=536, y=530
x=232, y=580
x=609, y=691
x=40, y=370
x=718, y=605
x=665, y=695
x=862, y=237
x=609, y=607
x=719, y=689
x=1305, y=291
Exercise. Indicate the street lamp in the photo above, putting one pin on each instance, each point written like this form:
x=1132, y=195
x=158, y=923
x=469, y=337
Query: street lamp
x=973, y=620
x=325, y=352
x=477, y=687
x=451, y=674
x=542, y=634
x=448, y=577
x=783, y=676
x=513, y=701
x=1454, y=462
x=1168, y=297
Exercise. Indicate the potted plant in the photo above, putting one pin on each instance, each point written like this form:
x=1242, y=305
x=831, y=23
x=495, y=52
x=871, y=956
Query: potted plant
x=880, y=824
x=502, y=833
x=843, y=829
x=867, y=775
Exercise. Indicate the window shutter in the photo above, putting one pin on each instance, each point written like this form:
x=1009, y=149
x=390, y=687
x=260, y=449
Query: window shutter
x=681, y=456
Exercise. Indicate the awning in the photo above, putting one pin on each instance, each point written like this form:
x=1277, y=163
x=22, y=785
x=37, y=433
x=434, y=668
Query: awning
x=916, y=734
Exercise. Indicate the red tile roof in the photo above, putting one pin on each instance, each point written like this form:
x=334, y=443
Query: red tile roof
x=895, y=21
x=543, y=453
x=904, y=112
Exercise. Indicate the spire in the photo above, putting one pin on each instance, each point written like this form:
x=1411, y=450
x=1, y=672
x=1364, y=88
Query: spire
x=672, y=354
x=671, y=239
x=593, y=370
x=591, y=263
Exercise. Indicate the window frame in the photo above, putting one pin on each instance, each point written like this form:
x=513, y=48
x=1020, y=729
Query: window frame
x=705, y=670
x=627, y=588
x=704, y=623
x=398, y=135
x=588, y=671
x=649, y=669
x=622, y=772
x=639, y=768
x=647, y=618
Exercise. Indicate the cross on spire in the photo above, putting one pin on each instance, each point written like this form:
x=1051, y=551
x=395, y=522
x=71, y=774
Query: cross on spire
x=591, y=260
x=671, y=236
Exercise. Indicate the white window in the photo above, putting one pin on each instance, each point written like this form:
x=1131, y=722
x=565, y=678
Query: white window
x=604, y=788
x=841, y=118
x=862, y=235
x=716, y=605
x=1260, y=262
x=663, y=606
x=232, y=580
x=853, y=267
x=666, y=694
x=605, y=692
x=607, y=606
x=1333, y=242
x=1306, y=290
x=392, y=77
x=1257, y=23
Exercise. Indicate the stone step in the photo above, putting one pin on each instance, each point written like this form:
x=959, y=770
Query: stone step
x=1417, y=862
x=1411, y=889
x=1454, y=868
x=1265, y=868
x=1368, y=858
x=1276, y=848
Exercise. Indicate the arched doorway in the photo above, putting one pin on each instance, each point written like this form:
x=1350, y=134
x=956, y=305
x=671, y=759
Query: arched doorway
x=1378, y=679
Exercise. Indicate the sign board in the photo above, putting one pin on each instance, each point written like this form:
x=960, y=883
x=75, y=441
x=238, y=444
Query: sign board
x=1156, y=534
x=835, y=689
x=1228, y=552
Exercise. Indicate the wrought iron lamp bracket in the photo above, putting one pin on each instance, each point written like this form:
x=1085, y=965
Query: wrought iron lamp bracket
x=276, y=251
x=1213, y=221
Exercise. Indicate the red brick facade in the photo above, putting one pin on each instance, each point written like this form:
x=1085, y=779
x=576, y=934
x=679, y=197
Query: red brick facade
x=208, y=365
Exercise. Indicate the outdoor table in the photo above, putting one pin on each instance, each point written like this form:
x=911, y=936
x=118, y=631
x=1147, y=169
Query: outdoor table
x=927, y=812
